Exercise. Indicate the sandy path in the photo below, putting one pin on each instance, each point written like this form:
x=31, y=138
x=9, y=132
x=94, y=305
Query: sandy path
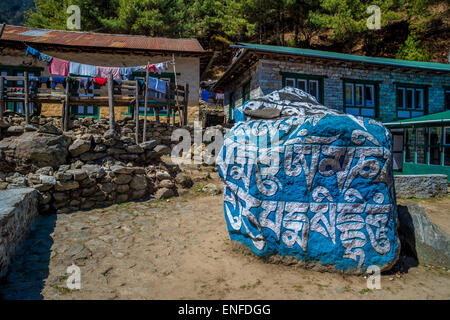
x=179, y=249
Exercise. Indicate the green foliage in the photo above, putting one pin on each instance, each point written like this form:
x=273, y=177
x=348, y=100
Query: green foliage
x=221, y=21
x=13, y=11
x=413, y=50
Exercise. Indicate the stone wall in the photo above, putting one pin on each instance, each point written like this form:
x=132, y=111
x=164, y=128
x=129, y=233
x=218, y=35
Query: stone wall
x=18, y=208
x=266, y=77
x=421, y=186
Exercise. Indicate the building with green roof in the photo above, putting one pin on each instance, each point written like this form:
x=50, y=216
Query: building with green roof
x=389, y=90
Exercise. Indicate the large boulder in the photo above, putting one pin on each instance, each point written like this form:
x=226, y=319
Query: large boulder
x=421, y=238
x=40, y=149
x=313, y=187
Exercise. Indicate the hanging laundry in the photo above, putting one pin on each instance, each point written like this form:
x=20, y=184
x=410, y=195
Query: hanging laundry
x=32, y=52
x=85, y=83
x=220, y=96
x=60, y=80
x=160, y=67
x=152, y=68
x=157, y=84
x=44, y=80
x=127, y=72
x=45, y=57
x=205, y=95
x=103, y=72
x=59, y=67
x=82, y=69
x=100, y=81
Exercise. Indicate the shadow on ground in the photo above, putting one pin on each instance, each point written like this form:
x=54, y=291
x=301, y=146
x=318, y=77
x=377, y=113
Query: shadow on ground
x=29, y=268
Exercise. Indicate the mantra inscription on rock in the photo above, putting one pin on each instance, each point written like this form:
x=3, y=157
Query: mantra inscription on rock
x=318, y=188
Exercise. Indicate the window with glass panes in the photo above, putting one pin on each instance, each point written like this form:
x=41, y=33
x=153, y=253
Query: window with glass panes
x=446, y=146
x=411, y=101
x=361, y=98
x=309, y=83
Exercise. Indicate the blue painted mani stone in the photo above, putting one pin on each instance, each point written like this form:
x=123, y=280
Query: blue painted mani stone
x=314, y=183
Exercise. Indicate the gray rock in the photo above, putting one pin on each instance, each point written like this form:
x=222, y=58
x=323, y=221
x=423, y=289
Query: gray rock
x=211, y=189
x=184, y=180
x=162, y=149
x=122, y=178
x=29, y=127
x=162, y=175
x=138, y=182
x=90, y=156
x=49, y=129
x=108, y=187
x=48, y=171
x=121, y=169
x=122, y=188
x=421, y=237
x=163, y=193
x=15, y=130
x=136, y=149
x=66, y=185
x=420, y=186
x=149, y=145
x=166, y=184
x=40, y=149
x=63, y=176
x=78, y=174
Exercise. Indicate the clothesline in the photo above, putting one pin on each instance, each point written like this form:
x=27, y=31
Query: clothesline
x=61, y=67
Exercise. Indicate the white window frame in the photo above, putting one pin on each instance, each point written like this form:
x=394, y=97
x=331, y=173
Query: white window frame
x=358, y=85
x=351, y=85
x=422, y=91
x=305, y=83
x=290, y=79
x=444, y=132
x=372, y=96
x=317, y=89
x=413, y=102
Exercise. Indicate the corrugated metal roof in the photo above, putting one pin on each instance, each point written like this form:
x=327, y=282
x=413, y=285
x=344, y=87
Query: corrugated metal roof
x=346, y=57
x=103, y=40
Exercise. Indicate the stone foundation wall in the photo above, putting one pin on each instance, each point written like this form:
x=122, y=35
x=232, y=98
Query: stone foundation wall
x=421, y=186
x=18, y=208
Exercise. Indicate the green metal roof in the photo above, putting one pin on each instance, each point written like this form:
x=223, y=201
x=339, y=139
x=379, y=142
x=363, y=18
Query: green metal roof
x=436, y=118
x=345, y=56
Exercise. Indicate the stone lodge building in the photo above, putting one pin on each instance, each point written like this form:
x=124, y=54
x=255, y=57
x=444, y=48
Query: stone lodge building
x=113, y=50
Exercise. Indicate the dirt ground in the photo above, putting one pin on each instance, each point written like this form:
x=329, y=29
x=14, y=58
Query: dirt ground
x=180, y=249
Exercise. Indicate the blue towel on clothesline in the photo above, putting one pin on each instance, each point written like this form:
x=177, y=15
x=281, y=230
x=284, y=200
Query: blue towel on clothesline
x=205, y=95
x=45, y=57
x=157, y=84
x=82, y=69
x=33, y=52
x=127, y=72
x=56, y=80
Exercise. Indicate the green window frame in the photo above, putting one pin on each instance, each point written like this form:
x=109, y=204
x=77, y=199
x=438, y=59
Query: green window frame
x=246, y=91
x=312, y=84
x=447, y=97
x=411, y=100
x=361, y=97
x=85, y=111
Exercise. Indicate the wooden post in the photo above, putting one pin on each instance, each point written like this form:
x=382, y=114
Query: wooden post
x=2, y=83
x=66, y=106
x=144, y=129
x=25, y=100
x=185, y=107
x=111, y=101
x=176, y=88
x=136, y=112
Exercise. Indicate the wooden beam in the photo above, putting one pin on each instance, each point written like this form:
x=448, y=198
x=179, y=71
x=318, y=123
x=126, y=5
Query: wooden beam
x=111, y=101
x=2, y=82
x=136, y=112
x=144, y=130
x=66, y=106
x=186, y=101
x=26, y=106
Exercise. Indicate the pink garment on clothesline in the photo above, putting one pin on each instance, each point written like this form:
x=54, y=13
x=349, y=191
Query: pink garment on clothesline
x=102, y=72
x=59, y=67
